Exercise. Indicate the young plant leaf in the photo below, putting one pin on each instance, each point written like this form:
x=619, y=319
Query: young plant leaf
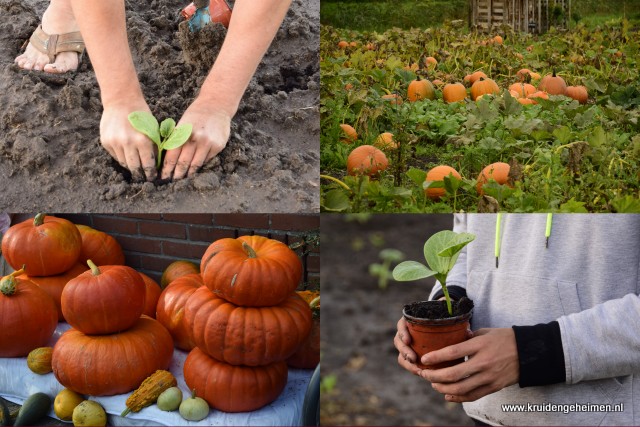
x=411, y=270
x=178, y=137
x=145, y=123
x=166, y=127
x=442, y=249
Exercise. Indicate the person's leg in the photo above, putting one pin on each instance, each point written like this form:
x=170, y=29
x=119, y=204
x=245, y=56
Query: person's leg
x=57, y=19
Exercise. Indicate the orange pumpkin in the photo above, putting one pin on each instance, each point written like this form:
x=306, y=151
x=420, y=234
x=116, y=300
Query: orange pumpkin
x=437, y=174
x=366, y=160
x=385, y=141
x=350, y=134
x=497, y=40
x=392, y=98
x=99, y=247
x=420, y=89
x=152, y=294
x=523, y=89
x=474, y=77
x=482, y=87
x=553, y=85
x=579, y=93
x=526, y=101
x=170, y=309
x=498, y=172
x=308, y=354
x=430, y=62
x=538, y=94
x=454, y=92
x=343, y=44
x=177, y=269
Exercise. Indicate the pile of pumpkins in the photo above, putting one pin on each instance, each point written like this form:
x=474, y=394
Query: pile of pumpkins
x=77, y=274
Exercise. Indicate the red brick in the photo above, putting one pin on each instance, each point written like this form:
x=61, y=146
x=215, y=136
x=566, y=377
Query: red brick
x=115, y=224
x=250, y=221
x=204, y=219
x=83, y=219
x=313, y=263
x=144, y=245
x=132, y=260
x=163, y=229
x=312, y=283
x=280, y=237
x=154, y=275
x=295, y=222
x=155, y=263
x=184, y=250
x=143, y=216
x=209, y=234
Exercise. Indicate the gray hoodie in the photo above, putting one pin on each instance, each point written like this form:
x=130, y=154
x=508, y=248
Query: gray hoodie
x=588, y=279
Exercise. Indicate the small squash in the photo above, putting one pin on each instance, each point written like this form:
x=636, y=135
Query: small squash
x=385, y=141
x=437, y=174
x=89, y=413
x=350, y=134
x=170, y=399
x=33, y=409
x=177, y=269
x=366, y=160
x=39, y=360
x=454, y=92
x=420, y=89
x=194, y=408
x=482, y=87
x=149, y=391
x=579, y=93
x=553, y=85
x=65, y=402
x=498, y=172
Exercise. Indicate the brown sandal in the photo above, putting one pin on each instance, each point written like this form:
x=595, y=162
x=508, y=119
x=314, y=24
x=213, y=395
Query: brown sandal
x=54, y=44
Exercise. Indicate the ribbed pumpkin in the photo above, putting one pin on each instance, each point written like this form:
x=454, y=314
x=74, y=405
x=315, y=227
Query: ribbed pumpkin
x=523, y=89
x=231, y=388
x=474, y=77
x=454, y=92
x=553, y=85
x=437, y=174
x=483, y=87
x=53, y=285
x=27, y=314
x=99, y=247
x=104, y=299
x=420, y=89
x=104, y=365
x=170, y=309
x=178, y=269
x=498, y=172
x=251, y=271
x=45, y=245
x=579, y=93
x=308, y=354
x=152, y=294
x=366, y=160
x=251, y=336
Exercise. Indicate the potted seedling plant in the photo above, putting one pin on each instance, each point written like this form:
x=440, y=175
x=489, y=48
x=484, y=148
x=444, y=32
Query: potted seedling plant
x=436, y=324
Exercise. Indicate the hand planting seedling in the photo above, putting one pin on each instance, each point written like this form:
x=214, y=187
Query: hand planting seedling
x=441, y=252
x=166, y=135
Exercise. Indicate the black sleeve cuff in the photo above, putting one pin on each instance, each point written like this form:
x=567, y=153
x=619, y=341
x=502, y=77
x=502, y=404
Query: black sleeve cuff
x=455, y=293
x=540, y=354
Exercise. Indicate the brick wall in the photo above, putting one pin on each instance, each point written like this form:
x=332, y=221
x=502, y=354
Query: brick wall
x=152, y=241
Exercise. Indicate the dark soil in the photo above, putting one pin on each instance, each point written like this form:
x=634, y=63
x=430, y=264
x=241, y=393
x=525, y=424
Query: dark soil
x=438, y=309
x=359, y=323
x=50, y=153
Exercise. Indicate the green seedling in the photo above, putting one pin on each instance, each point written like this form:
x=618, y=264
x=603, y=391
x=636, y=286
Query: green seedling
x=441, y=252
x=383, y=271
x=166, y=135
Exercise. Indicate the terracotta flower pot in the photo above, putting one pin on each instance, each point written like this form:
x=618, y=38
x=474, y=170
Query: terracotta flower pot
x=433, y=334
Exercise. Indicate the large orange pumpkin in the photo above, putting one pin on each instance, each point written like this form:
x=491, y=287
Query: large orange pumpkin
x=498, y=172
x=553, y=85
x=251, y=271
x=437, y=174
x=420, y=89
x=99, y=247
x=308, y=354
x=579, y=93
x=45, y=245
x=170, y=309
x=483, y=87
x=53, y=285
x=366, y=160
x=178, y=269
x=231, y=388
x=250, y=336
x=474, y=77
x=523, y=89
x=152, y=294
x=104, y=365
x=454, y=92
x=28, y=316
x=104, y=299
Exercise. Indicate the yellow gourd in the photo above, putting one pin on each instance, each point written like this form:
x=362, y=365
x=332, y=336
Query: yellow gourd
x=65, y=402
x=39, y=360
x=89, y=413
x=149, y=391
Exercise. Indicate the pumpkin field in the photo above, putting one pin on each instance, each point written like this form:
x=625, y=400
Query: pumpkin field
x=447, y=119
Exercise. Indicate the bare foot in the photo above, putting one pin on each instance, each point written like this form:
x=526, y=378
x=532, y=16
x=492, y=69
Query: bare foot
x=57, y=19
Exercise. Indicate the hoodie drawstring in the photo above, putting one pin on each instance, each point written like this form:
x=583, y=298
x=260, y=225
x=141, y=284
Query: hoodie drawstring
x=498, y=239
x=547, y=231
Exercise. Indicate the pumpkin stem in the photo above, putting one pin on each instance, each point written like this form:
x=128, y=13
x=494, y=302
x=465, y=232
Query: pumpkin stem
x=8, y=285
x=249, y=250
x=39, y=219
x=94, y=268
x=193, y=393
x=125, y=412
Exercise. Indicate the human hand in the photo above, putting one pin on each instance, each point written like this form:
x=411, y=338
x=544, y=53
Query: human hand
x=211, y=129
x=492, y=365
x=406, y=356
x=132, y=149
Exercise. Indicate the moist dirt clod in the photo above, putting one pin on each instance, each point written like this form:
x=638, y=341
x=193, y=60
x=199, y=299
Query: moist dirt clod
x=50, y=153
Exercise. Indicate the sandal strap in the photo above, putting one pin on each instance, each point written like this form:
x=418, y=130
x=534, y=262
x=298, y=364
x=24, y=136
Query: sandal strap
x=53, y=44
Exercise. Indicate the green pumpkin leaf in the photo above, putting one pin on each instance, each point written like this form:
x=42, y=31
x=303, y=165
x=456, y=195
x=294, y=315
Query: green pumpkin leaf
x=145, y=123
x=178, y=137
x=442, y=249
x=166, y=127
x=336, y=201
x=411, y=270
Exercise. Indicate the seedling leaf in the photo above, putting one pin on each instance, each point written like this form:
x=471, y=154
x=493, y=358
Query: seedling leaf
x=166, y=127
x=178, y=137
x=145, y=123
x=411, y=270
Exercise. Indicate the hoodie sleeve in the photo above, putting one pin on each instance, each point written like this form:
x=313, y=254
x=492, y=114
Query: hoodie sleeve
x=603, y=341
x=458, y=274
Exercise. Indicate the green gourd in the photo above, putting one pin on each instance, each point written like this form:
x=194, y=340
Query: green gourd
x=194, y=408
x=33, y=409
x=170, y=399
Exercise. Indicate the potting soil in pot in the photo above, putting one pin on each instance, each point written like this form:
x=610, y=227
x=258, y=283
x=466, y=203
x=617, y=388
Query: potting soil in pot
x=438, y=309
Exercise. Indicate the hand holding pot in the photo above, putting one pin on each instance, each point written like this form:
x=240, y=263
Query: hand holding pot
x=492, y=365
x=406, y=356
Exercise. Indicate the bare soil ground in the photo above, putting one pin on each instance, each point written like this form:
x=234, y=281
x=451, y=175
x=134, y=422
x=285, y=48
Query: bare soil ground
x=50, y=153
x=359, y=323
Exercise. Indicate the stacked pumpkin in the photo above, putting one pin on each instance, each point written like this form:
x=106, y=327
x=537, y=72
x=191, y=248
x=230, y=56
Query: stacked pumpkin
x=245, y=322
